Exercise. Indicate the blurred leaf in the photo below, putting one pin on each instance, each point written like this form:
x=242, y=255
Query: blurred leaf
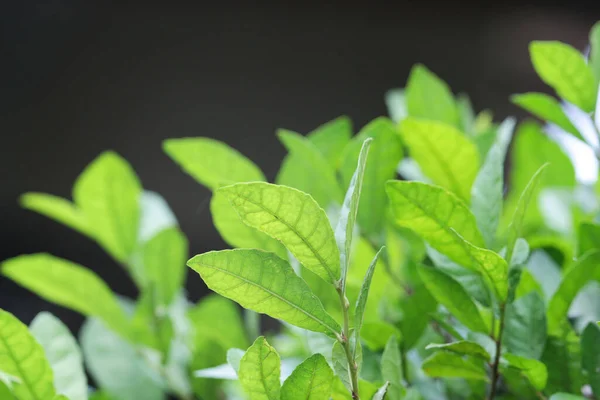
x=384, y=155
x=293, y=218
x=211, y=162
x=445, y=154
x=547, y=108
x=234, y=357
x=331, y=138
x=562, y=357
x=595, y=50
x=588, y=237
x=311, y=380
x=565, y=396
x=108, y=193
x=449, y=365
x=264, y=283
x=69, y=285
x=462, y=347
x=395, y=100
x=525, y=326
x=451, y=295
x=23, y=357
x=533, y=370
x=63, y=354
x=429, y=97
x=376, y=334
x=590, y=355
x=415, y=309
x=260, y=370
x=564, y=69
x=391, y=369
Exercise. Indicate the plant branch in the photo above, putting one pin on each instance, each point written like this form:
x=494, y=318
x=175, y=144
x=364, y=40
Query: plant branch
x=347, y=345
x=496, y=363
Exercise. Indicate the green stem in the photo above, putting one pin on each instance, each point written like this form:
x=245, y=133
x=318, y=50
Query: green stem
x=496, y=363
x=252, y=322
x=347, y=345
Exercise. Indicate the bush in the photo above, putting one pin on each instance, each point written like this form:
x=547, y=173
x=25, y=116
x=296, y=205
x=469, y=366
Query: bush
x=438, y=286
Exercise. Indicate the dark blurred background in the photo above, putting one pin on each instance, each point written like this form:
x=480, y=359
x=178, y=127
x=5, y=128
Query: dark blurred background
x=80, y=77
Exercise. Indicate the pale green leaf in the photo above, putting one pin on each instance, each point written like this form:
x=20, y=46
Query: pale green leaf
x=588, y=237
x=108, y=193
x=22, y=357
x=427, y=96
x=445, y=155
x=317, y=176
x=566, y=396
x=234, y=358
x=564, y=69
x=164, y=263
x=384, y=155
x=462, y=347
x=590, y=355
x=391, y=369
x=584, y=270
x=525, y=326
x=264, y=283
x=382, y=393
x=595, y=50
x=58, y=209
x=361, y=303
x=339, y=362
x=311, y=380
x=547, y=108
x=69, y=285
x=62, y=351
x=395, y=101
x=119, y=368
x=260, y=370
x=444, y=364
x=211, y=162
x=293, y=218
x=487, y=193
x=533, y=370
x=451, y=295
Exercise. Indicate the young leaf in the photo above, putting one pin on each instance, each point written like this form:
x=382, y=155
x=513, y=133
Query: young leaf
x=391, y=369
x=590, y=355
x=362, y=298
x=311, y=380
x=69, y=285
x=525, y=326
x=164, y=263
x=384, y=155
x=547, y=108
x=63, y=354
x=58, y=209
x=563, y=68
x=444, y=364
x=429, y=97
x=595, y=50
x=340, y=365
x=583, y=271
x=260, y=370
x=212, y=163
x=487, y=192
x=382, y=392
x=345, y=226
x=533, y=370
x=108, y=193
x=445, y=154
x=451, y=295
x=264, y=283
x=318, y=177
x=116, y=366
x=463, y=347
x=292, y=217
x=23, y=357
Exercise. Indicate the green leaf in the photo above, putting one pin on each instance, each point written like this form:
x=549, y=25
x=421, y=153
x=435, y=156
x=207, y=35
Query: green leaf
x=318, y=177
x=427, y=96
x=525, y=326
x=164, y=263
x=108, y=193
x=595, y=50
x=23, y=357
x=533, y=370
x=384, y=155
x=391, y=369
x=292, y=217
x=382, y=392
x=487, y=193
x=362, y=297
x=581, y=273
x=58, y=209
x=445, y=154
x=69, y=285
x=566, y=396
x=547, y=108
x=63, y=354
x=340, y=365
x=449, y=365
x=260, y=370
x=462, y=347
x=588, y=237
x=590, y=355
x=211, y=162
x=562, y=357
x=345, y=226
x=376, y=334
x=564, y=68
x=331, y=138
x=264, y=283
x=436, y=215
x=311, y=380
x=116, y=366
x=451, y=295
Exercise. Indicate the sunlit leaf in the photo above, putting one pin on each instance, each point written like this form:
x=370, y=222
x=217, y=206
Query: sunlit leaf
x=547, y=108
x=311, y=380
x=449, y=365
x=531, y=369
x=260, y=371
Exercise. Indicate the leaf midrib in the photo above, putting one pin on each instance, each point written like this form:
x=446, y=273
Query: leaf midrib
x=28, y=384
